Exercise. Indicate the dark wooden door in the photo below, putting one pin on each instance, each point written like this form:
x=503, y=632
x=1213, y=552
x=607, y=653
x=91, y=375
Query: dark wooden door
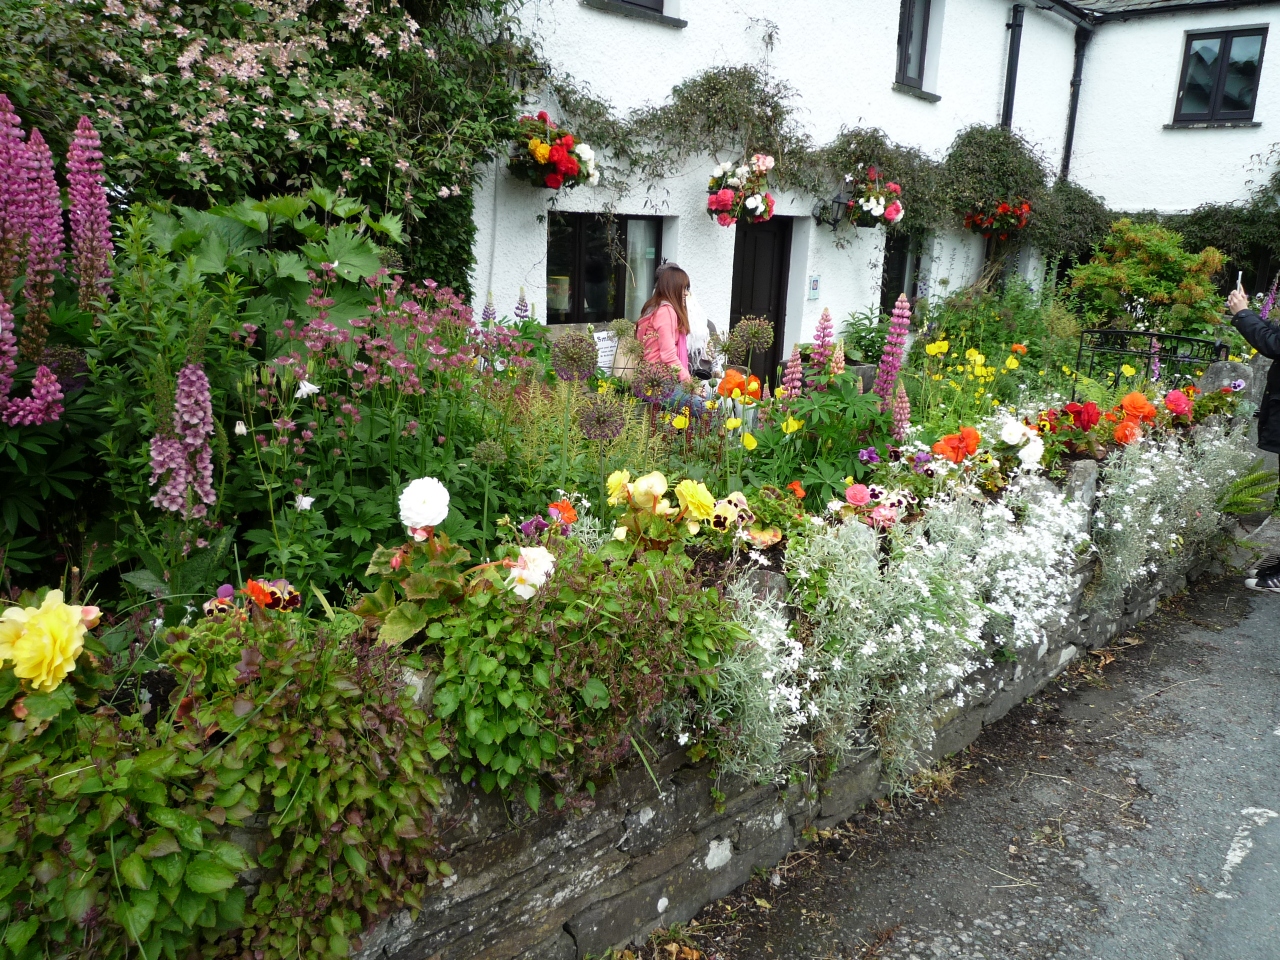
x=761, y=260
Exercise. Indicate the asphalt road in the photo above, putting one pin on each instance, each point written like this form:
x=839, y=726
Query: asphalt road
x=1129, y=813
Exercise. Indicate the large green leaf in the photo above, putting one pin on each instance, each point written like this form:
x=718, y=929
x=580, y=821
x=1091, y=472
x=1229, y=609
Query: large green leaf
x=206, y=876
x=402, y=623
x=351, y=256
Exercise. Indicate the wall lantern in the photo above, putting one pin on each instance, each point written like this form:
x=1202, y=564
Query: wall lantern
x=832, y=211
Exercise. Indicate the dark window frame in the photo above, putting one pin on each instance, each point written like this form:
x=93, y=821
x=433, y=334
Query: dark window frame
x=618, y=255
x=905, y=16
x=1216, y=114
x=654, y=5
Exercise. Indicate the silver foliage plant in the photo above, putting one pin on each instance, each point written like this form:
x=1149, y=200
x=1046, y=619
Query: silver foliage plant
x=1158, y=500
x=888, y=640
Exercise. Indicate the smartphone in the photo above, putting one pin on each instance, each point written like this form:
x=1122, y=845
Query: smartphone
x=1240, y=280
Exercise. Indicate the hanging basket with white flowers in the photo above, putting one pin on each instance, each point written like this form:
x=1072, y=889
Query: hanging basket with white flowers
x=549, y=156
x=740, y=191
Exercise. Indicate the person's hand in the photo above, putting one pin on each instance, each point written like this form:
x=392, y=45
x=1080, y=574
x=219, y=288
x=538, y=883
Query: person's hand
x=1237, y=301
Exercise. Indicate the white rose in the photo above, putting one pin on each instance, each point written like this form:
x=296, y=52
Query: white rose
x=1030, y=454
x=305, y=389
x=424, y=503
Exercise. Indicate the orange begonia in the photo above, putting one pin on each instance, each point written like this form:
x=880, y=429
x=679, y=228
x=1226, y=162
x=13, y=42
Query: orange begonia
x=1128, y=431
x=956, y=446
x=1138, y=406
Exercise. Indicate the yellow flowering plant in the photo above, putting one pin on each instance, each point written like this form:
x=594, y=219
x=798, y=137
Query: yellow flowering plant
x=42, y=643
x=647, y=519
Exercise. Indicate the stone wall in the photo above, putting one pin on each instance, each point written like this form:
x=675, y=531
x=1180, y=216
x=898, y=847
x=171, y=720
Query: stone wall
x=569, y=885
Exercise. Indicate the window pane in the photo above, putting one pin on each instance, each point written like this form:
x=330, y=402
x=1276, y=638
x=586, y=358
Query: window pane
x=642, y=262
x=1241, y=83
x=915, y=39
x=597, y=295
x=561, y=250
x=1202, y=71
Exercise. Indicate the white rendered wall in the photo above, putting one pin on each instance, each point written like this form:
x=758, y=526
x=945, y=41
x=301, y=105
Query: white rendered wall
x=1122, y=150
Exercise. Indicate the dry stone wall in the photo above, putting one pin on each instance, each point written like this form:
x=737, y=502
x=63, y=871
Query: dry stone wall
x=655, y=849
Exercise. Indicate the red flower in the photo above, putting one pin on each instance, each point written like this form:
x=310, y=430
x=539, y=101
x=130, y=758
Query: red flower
x=568, y=166
x=794, y=487
x=893, y=187
x=554, y=181
x=1128, y=431
x=956, y=446
x=557, y=156
x=563, y=511
x=543, y=116
x=871, y=172
x=567, y=141
x=1004, y=208
x=1084, y=416
x=1138, y=406
x=1178, y=403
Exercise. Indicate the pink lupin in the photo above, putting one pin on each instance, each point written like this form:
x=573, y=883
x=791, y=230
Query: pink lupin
x=44, y=243
x=793, y=379
x=90, y=218
x=13, y=194
x=901, y=410
x=891, y=358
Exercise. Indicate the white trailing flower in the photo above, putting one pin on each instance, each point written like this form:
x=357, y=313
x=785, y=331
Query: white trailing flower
x=532, y=570
x=424, y=503
x=305, y=389
x=241, y=429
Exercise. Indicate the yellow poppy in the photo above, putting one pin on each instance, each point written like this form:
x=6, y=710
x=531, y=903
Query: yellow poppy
x=748, y=441
x=1127, y=370
x=733, y=423
x=1011, y=362
x=680, y=421
x=791, y=425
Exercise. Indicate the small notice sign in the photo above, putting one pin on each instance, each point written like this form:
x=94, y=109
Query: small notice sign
x=607, y=345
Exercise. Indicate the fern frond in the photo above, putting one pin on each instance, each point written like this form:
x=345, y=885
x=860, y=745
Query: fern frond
x=1252, y=493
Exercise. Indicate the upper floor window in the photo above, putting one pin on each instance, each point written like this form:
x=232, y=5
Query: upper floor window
x=1220, y=73
x=913, y=31
x=600, y=268
x=654, y=5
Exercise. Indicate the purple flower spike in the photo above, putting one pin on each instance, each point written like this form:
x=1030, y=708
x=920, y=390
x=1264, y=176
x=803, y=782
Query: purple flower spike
x=44, y=243
x=43, y=406
x=891, y=359
x=90, y=219
x=13, y=193
x=183, y=458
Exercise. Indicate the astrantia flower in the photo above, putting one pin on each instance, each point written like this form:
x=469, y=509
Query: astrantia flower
x=424, y=503
x=575, y=357
x=532, y=570
x=42, y=643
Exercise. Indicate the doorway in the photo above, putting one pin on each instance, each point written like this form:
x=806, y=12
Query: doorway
x=761, y=261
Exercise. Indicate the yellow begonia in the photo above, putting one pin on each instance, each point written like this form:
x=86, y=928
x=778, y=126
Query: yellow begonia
x=43, y=642
x=618, y=488
x=541, y=152
x=695, y=499
x=648, y=490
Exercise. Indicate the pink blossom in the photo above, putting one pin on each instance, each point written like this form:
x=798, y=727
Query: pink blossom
x=8, y=352
x=1179, y=403
x=44, y=242
x=90, y=221
x=858, y=495
x=13, y=196
x=883, y=516
x=894, y=212
x=43, y=406
x=725, y=220
x=182, y=457
x=891, y=358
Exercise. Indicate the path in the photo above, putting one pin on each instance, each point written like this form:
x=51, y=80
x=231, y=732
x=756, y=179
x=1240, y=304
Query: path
x=1134, y=815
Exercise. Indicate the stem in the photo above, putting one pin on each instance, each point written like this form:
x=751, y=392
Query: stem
x=564, y=437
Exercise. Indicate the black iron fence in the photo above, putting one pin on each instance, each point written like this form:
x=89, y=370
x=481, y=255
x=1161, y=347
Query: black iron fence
x=1165, y=357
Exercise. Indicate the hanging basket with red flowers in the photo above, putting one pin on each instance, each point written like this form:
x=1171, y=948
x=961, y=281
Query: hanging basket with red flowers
x=998, y=218
x=549, y=156
x=874, y=199
x=740, y=191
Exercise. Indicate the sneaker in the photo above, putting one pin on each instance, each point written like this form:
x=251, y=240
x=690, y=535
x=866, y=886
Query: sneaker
x=1265, y=563
x=1266, y=580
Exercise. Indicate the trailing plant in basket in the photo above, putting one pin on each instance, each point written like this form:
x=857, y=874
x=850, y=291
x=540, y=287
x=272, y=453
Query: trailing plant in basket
x=548, y=156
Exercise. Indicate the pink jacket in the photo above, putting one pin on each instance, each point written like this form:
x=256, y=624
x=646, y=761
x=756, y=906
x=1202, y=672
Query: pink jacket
x=658, y=333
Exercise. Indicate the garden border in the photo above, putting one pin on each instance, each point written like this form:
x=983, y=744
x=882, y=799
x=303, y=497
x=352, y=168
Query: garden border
x=564, y=887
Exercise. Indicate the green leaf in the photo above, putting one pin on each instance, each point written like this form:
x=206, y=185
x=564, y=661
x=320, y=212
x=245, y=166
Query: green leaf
x=205, y=876
x=595, y=694
x=147, y=581
x=231, y=856
x=9, y=686
x=356, y=861
x=402, y=623
x=136, y=914
x=46, y=706
x=135, y=872
x=16, y=937
x=169, y=867
x=160, y=844
x=533, y=796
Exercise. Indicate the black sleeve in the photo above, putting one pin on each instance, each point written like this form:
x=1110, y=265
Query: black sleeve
x=1262, y=336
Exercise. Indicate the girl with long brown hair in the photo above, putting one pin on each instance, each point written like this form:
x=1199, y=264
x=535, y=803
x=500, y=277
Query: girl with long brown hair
x=663, y=329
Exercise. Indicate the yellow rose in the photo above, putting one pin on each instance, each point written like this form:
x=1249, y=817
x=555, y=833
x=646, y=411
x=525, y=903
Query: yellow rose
x=617, y=484
x=695, y=499
x=43, y=644
x=648, y=490
x=748, y=441
x=733, y=423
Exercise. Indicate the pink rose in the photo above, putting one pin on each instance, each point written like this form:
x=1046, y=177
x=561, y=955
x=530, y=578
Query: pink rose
x=858, y=494
x=725, y=220
x=893, y=212
x=1179, y=403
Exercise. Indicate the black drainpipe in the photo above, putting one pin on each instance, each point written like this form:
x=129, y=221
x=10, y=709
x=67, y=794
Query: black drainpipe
x=1014, y=26
x=1083, y=34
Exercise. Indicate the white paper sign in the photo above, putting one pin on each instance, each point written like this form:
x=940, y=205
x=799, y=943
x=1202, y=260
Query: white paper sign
x=607, y=345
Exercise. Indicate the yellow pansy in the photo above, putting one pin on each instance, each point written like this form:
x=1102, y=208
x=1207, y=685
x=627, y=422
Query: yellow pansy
x=748, y=441
x=1011, y=362
x=1127, y=370
x=791, y=425
x=733, y=423
x=695, y=499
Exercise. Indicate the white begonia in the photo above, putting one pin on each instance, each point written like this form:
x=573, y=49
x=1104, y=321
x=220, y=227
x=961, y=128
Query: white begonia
x=424, y=503
x=1032, y=453
x=305, y=389
x=1013, y=432
x=742, y=173
x=532, y=570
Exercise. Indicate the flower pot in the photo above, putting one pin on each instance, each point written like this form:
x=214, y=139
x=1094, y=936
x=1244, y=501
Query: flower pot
x=626, y=359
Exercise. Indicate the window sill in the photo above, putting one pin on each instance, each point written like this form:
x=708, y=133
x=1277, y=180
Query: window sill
x=1211, y=124
x=636, y=13
x=916, y=92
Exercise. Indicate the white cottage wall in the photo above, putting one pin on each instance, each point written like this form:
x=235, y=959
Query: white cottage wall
x=1123, y=150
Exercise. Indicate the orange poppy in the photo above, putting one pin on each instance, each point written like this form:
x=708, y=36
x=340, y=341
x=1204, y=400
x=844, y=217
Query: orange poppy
x=794, y=485
x=732, y=381
x=752, y=389
x=1138, y=406
x=1128, y=431
x=1018, y=348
